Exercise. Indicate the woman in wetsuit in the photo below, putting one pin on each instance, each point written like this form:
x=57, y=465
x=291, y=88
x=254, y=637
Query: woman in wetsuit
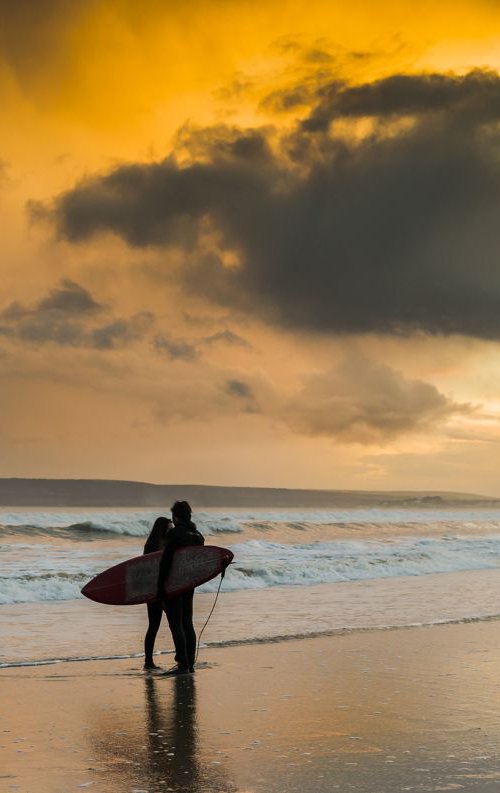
x=179, y=609
x=155, y=542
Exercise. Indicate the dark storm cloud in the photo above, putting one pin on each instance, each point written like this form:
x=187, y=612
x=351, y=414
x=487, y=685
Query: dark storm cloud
x=67, y=317
x=476, y=94
x=224, y=144
x=396, y=232
x=154, y=204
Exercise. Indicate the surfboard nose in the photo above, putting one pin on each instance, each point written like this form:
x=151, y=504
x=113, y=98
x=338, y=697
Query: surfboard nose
x=88, y=590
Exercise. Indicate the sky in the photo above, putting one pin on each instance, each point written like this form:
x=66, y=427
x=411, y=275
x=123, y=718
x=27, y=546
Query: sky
x=251, y=243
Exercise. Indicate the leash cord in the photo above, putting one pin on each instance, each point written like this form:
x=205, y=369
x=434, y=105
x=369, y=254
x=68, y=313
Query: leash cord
x=211, y=612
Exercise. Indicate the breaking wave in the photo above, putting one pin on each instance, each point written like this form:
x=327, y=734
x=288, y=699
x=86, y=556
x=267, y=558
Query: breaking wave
x=91, y=524
x=259, y=564
x=73, y=525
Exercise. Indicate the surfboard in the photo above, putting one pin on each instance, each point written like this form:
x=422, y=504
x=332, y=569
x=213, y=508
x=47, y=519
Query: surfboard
x=135, y=580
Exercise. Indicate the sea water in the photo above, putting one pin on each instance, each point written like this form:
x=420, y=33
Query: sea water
x=295, y=573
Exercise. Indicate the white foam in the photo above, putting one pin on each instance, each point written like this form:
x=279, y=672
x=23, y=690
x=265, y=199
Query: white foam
x=55, y=566
x=260, y=564
x=138, y=523
x=133, y=523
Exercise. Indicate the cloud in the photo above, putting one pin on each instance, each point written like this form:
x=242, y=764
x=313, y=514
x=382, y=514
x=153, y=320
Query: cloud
x=176, y=349
x=239, y=389
x=67, y=316
x=359, y=401
x=366, y=402
x=212, y=397
x=394, y=231
x=227, y=337
x=70, y=298
x=243, y=393
x=41, y=329
x=190, y=350
x=121, y=332
x=475, y=96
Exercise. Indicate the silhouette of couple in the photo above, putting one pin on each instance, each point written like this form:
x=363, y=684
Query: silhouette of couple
x=168, y=535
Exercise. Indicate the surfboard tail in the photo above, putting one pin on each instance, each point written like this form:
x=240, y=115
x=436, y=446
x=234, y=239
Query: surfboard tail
x=226, y=560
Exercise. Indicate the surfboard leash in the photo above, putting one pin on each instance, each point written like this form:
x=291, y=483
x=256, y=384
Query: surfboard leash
x=223, y=573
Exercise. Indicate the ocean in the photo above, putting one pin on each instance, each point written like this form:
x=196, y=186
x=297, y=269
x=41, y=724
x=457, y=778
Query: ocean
x=296, y=572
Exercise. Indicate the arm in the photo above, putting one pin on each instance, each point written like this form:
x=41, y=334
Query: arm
x=165, y=563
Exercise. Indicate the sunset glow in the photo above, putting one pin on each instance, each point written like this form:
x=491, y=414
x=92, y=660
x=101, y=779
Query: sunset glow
x=251, y=243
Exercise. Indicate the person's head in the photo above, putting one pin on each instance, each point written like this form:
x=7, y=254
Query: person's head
x=160, y=528
x=181, y=512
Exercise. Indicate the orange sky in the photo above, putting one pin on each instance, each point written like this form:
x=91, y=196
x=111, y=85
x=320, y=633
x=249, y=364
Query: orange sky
x=123, y=358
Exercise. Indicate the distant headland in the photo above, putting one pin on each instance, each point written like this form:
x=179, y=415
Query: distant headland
x=18, y=492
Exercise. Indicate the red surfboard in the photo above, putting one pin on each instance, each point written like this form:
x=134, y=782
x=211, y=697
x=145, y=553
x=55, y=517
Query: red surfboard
x=135, y=580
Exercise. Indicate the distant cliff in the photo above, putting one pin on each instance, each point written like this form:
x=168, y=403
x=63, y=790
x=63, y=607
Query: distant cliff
x=117, y=493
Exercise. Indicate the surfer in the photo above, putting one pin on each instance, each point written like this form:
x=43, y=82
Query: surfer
x=179, y=609
x=155, y=542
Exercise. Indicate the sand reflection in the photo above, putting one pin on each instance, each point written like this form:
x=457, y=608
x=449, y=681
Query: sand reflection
x=176, y=758
x=161, y=749
x=172, y=734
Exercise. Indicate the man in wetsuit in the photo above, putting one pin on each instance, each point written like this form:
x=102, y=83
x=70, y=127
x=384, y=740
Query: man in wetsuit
x=179, y=609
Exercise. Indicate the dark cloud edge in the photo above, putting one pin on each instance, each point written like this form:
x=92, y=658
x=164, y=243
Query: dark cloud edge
x=394, y=234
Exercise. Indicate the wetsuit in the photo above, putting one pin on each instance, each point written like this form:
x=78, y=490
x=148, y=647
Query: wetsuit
x=179, y=610
x=155, y=611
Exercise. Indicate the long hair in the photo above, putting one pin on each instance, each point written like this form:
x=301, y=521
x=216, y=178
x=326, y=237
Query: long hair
x=157, y=535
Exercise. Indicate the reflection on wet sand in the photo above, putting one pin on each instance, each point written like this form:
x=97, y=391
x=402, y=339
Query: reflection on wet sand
x=162, y=750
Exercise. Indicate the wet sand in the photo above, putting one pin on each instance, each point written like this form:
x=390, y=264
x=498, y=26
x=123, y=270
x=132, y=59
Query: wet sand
x=373, y=712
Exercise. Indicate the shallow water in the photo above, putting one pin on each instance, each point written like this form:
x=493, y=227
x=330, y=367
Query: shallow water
x=81, y=629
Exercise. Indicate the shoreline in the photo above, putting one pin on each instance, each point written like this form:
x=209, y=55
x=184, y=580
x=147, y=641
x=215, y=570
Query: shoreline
x=32, y=632
x=165, y=655
x=371, y=712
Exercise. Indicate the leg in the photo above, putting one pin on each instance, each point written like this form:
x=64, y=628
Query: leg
x=155, y=613
x=187, y=624
x=173, y=610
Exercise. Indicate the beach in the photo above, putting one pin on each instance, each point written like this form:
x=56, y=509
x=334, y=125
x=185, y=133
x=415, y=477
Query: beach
x=370, y=712
x=248, y=313
x=350, y=649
